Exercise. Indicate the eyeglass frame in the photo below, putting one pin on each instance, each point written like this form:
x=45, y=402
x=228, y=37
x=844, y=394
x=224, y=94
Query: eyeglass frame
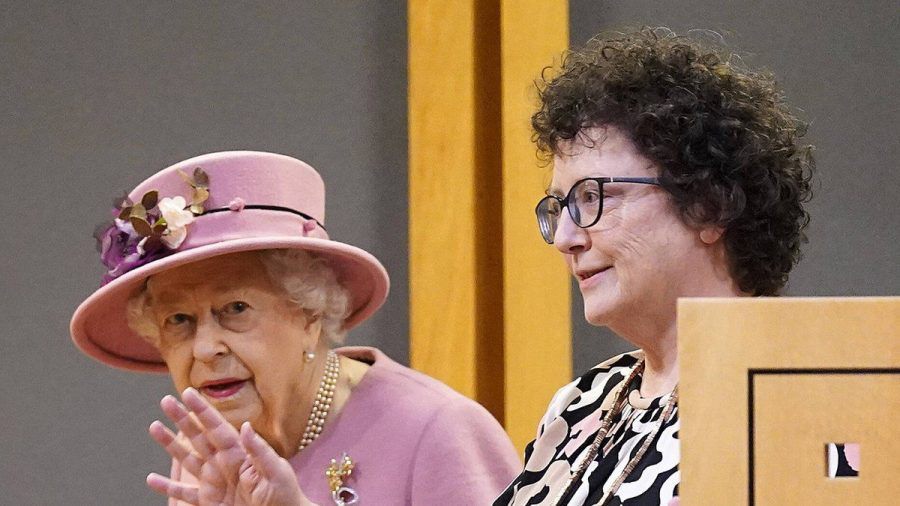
x=564, y=202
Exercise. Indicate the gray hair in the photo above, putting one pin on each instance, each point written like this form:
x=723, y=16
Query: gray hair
x=306, y=279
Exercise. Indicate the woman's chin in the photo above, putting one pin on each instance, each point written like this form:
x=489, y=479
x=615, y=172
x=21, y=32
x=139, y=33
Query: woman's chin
x=602, y=298
x=597, y=319
x=598, y=310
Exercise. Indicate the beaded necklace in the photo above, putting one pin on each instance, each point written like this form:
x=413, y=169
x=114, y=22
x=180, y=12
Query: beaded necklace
x=322, y=402
x=608, y=419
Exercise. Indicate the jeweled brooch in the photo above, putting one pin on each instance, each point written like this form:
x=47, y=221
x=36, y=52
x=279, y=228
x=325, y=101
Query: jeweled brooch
x=337, y=475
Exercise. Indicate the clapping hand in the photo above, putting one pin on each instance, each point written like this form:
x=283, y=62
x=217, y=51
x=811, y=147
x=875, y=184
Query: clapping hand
x=231, y=468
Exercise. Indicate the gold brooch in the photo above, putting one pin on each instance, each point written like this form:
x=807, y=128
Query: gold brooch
x=337, y=474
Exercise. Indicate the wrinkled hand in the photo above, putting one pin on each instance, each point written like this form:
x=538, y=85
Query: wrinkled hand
x=232, y=468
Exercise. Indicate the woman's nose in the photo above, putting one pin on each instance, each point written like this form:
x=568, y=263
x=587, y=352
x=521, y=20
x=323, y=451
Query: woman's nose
x=569, y=237
x=208, y=340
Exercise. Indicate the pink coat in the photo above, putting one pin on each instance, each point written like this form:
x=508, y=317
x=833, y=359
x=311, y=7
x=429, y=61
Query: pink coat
x=413, y=439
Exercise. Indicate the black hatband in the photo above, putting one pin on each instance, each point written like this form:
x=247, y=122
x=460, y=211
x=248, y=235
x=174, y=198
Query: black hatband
x=265, y=208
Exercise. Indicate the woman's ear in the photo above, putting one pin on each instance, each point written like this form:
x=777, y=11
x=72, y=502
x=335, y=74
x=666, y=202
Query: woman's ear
x=710, y=234
x=309, y=321
x=313, y=322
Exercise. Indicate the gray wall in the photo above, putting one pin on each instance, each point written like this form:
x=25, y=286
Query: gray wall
x=837, y=61
x=96, y=96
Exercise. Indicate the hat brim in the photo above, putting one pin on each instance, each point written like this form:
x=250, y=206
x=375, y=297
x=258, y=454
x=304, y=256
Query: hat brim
x=100, y=328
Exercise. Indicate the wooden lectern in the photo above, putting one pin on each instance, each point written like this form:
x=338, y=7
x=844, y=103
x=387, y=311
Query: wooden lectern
x=768, y=383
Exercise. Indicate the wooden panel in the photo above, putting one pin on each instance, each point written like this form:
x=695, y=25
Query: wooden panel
x=442, y=172
x=759, y=385
x=536, y=286
x=796, y=415
x=489, y=300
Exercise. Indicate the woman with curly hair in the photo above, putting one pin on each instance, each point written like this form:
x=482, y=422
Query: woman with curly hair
x=677, y=172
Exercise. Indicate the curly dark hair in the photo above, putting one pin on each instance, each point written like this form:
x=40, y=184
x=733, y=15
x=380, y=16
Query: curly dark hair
x=727, y=145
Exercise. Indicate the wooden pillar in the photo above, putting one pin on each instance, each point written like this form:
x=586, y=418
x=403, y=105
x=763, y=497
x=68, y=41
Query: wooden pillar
x=489, y=301
x=536, y=289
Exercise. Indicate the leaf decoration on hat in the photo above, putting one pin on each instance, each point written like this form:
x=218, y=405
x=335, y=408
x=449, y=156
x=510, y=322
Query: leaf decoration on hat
x=138, y=211
x=152, y=228
x=200, y=178
x=150, y=199
x=200, y=185
x=123, y=205
x=141, y=226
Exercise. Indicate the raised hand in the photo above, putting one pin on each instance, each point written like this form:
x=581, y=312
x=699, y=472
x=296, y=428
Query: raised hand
x=231, y=468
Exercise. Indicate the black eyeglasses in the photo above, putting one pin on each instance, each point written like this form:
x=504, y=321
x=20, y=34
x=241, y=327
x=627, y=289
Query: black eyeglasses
x=584, y=202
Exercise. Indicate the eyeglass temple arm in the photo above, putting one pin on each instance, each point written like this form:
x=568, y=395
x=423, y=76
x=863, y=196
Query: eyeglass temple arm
x=639, y=180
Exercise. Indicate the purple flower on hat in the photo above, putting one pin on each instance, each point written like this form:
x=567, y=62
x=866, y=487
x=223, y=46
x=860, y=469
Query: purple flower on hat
x=122, y=249
x=148, y=230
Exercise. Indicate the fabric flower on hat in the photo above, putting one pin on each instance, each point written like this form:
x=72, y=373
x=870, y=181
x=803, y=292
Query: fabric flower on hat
x=177, y=219
x=118, y=246
x=150, y=229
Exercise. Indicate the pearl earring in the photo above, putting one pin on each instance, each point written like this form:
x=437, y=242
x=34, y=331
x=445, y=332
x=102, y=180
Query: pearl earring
x=309, y=356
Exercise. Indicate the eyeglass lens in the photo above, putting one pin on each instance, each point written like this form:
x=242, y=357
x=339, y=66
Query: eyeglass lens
x=584, y=203
x=548, y=210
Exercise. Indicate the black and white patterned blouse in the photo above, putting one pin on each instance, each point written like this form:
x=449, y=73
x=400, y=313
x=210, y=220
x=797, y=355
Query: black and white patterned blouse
x=569, y=427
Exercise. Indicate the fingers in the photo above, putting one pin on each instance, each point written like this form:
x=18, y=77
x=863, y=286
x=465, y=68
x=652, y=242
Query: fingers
x=228, y=453
x=265, y=460
x=217, y=430
x=188, y=425
x=268, y=473
x=176, y=447
x=207, y=446
x=173, y=489
x=248, y=477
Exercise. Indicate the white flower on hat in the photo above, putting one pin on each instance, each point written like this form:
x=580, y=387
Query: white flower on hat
x=177, y=218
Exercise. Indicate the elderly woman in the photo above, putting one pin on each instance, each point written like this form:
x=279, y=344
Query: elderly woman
x=677, y=172
x=221, y=273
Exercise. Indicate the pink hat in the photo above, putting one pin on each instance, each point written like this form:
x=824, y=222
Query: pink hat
x=236, y=201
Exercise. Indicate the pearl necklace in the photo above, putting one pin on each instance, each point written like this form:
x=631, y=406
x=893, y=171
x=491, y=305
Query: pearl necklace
x=322, y=402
